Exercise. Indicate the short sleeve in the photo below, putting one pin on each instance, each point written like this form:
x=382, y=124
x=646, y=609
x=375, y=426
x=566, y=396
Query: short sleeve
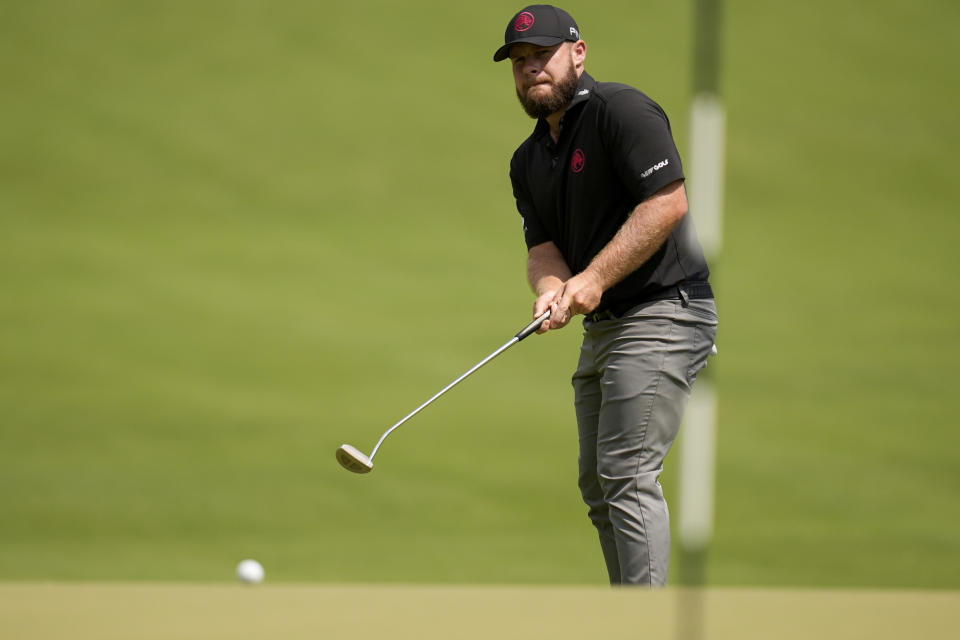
x=533, y=230
x=638, y=139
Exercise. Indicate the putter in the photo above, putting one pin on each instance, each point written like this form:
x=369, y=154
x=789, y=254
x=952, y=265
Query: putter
x=352, y=459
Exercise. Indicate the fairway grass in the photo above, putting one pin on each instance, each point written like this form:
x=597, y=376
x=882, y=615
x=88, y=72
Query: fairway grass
x=95, y=610
x=236, y=235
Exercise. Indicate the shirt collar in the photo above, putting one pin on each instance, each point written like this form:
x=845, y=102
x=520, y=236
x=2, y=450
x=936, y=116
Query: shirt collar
x=584, y=91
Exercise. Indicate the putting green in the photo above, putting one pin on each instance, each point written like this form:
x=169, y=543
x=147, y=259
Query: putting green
x=236, y=235
x=78, y=611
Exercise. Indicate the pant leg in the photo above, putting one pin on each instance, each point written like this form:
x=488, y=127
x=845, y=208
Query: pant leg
x=587, y=401
x=647, y=362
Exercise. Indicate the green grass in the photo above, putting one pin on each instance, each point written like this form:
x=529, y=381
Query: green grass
x=234, y=236
x=118, y=610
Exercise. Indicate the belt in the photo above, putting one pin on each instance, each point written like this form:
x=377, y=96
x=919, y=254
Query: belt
x=685, y=291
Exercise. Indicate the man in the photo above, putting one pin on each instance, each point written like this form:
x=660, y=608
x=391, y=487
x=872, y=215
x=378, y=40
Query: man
x=600, y=188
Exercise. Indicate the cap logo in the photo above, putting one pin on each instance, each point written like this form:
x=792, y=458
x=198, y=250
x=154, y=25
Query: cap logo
x=524, y=21
x=579, y=159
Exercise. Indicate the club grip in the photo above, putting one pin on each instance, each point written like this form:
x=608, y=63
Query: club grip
x=533, y=326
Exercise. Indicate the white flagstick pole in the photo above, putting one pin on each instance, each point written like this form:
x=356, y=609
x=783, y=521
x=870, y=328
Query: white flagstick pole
x=699, y=433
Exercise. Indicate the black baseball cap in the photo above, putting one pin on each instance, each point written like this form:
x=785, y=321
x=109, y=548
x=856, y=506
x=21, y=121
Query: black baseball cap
x=541, y=24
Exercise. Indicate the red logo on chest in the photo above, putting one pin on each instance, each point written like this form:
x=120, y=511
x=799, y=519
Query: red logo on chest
x=524, y=21
x=576, y=164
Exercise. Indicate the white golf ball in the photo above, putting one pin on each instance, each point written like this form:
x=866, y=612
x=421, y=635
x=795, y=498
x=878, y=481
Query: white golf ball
x=250, y=571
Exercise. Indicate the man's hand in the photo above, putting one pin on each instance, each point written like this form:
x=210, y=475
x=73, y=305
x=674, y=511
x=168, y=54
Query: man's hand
x=546, y=271
x=543, y=303
x=645, y=231
x=579, y=294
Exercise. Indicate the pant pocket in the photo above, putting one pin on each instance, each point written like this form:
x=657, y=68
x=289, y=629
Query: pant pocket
x=703, y=338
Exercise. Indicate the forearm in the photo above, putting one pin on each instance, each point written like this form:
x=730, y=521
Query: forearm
x=644, y=232
x=547, y=269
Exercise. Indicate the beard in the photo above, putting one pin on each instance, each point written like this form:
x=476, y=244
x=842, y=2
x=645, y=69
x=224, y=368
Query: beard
x=560, y=95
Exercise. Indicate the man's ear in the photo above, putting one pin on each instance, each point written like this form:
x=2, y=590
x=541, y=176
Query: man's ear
x=579, y=52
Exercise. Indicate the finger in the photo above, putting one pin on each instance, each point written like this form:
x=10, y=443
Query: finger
x=566, y=300
x=559, y=317
x=543, y=302
x=544, y=326
x=559, y=324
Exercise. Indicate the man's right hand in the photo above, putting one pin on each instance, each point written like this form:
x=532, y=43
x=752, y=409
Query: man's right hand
x=540, y=306
x=547, y=272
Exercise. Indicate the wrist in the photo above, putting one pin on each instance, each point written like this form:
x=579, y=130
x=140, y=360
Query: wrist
x=594, y=275
x=548, y=285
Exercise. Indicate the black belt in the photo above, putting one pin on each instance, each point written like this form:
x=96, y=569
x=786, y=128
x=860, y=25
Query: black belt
x=684, y=291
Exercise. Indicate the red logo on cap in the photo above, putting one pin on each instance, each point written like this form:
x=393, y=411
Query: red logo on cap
x=524, y=21
x=576, y=165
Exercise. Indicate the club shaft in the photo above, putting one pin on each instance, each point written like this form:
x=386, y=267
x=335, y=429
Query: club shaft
x=490, y=357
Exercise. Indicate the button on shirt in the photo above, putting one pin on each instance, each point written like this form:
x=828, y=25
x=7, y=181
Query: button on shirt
x=615, y=150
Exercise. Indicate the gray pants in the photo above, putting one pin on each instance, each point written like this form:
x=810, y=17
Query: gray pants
x=631, y=386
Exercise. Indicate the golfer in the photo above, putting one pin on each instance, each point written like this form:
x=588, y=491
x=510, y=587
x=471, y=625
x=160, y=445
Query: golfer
x=600, y=188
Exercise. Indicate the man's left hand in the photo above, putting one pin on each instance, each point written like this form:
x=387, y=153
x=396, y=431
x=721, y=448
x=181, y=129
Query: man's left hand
x=580, y=294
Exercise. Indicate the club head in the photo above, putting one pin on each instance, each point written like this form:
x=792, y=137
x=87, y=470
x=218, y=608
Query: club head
x=352, y=459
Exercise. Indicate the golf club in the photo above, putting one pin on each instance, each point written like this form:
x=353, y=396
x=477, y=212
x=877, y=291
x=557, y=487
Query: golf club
x=352, y=459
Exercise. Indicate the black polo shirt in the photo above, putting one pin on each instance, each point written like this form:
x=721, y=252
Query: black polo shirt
x=615, y=151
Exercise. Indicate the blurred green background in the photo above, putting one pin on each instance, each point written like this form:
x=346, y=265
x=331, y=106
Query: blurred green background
x=234, y=235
